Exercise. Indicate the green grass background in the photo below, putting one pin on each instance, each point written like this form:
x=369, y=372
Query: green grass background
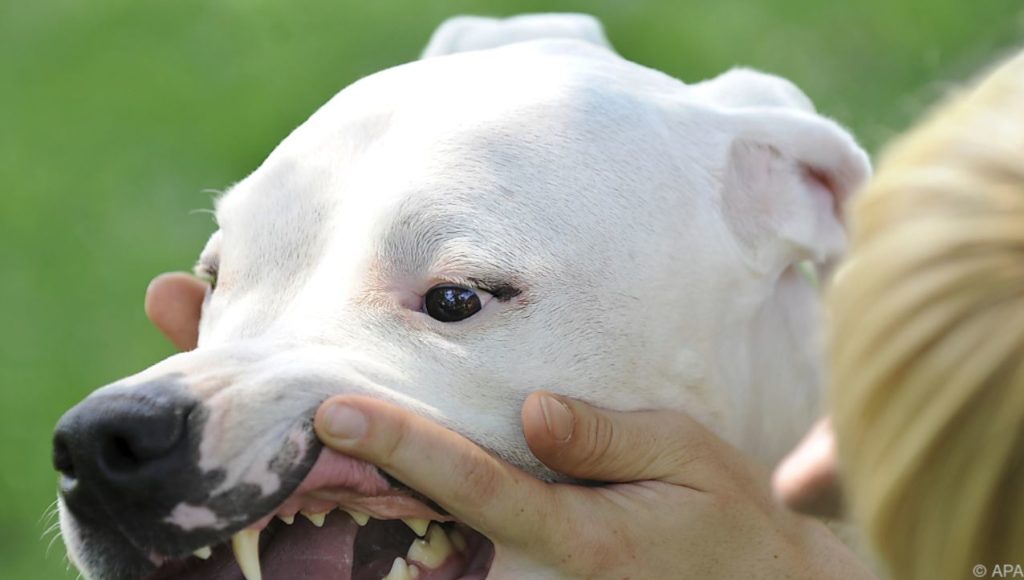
x=116, y=116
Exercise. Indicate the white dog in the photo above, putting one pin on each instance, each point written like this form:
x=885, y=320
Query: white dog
x=520, y=209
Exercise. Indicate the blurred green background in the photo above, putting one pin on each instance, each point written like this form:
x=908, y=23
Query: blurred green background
x=117, y=118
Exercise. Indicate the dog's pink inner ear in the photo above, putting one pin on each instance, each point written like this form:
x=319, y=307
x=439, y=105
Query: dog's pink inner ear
x=787, y=178
x=820, y=178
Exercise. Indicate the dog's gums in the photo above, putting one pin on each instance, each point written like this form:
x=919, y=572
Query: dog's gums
x=355, y=525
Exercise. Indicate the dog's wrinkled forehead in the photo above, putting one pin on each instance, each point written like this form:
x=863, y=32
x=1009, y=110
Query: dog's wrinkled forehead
x=417, y=171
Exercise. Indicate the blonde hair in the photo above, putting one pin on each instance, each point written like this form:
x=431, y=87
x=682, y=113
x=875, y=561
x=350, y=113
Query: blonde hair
x=927, y=341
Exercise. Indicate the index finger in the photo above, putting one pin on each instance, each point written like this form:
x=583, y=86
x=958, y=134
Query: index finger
x=491, y=496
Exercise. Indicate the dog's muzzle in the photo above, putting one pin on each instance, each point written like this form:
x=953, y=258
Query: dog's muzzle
x=129, y=475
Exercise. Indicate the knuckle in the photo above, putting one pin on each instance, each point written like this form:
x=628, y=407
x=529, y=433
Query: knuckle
x=597, y=443
x=389, y=441
x=482, y=480
x=682, y=454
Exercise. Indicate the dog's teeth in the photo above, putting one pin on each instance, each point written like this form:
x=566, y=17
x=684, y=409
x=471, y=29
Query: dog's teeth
x=418, y=525
x=432, y=551
x=203, y=553
x=317, y=519
x=458, y=540
x=287, y=519
x=359, y=517
x=246, y=546
x=401, y=570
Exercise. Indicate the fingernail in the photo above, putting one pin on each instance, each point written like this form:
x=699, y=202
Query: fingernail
x=557, y=417
x=343, y=423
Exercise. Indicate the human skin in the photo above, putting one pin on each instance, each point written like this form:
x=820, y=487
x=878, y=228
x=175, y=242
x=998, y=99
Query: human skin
x=807, y=479
x=677, y=502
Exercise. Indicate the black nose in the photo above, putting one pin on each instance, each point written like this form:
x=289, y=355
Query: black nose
x=121, y=447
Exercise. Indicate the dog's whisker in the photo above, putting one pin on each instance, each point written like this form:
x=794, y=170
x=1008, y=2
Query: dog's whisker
x=204, y=211
x=49, y=545
x=215, y=194
x=48, y=524
x=49, y=512
x=55, y=526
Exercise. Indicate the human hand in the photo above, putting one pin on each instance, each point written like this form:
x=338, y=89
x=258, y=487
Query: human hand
x=685, y=503
x=173, y=303
x=681, y=502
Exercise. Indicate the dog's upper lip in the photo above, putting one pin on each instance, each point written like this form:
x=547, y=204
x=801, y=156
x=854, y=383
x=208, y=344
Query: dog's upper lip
x=339, y=481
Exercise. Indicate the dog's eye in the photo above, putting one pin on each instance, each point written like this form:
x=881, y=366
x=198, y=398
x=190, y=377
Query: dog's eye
x=207, y=274
x=451, y=303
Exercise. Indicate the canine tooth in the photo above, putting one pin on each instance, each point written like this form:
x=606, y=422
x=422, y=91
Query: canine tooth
x=246, y=546
x=317, y=519
x=433, y=551
x=458, y=540
x=203, y=553
x=287, y=519
x=418, y=525
x=400, y=570
x=359, y=517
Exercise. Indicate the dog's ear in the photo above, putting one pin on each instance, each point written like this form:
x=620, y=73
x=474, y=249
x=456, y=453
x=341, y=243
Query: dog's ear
x=465, y=33
x=786, y=176
x=744, y=87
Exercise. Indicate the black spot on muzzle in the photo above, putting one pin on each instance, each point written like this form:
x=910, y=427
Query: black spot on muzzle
x=128, y=455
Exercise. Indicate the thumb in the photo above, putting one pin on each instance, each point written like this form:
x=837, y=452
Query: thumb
x=586, y=442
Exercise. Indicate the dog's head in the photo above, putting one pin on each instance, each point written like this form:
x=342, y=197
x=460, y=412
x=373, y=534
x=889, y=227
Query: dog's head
x=450, y=235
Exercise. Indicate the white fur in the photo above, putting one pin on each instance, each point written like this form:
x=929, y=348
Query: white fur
x=465, y=33
x=653, y=228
